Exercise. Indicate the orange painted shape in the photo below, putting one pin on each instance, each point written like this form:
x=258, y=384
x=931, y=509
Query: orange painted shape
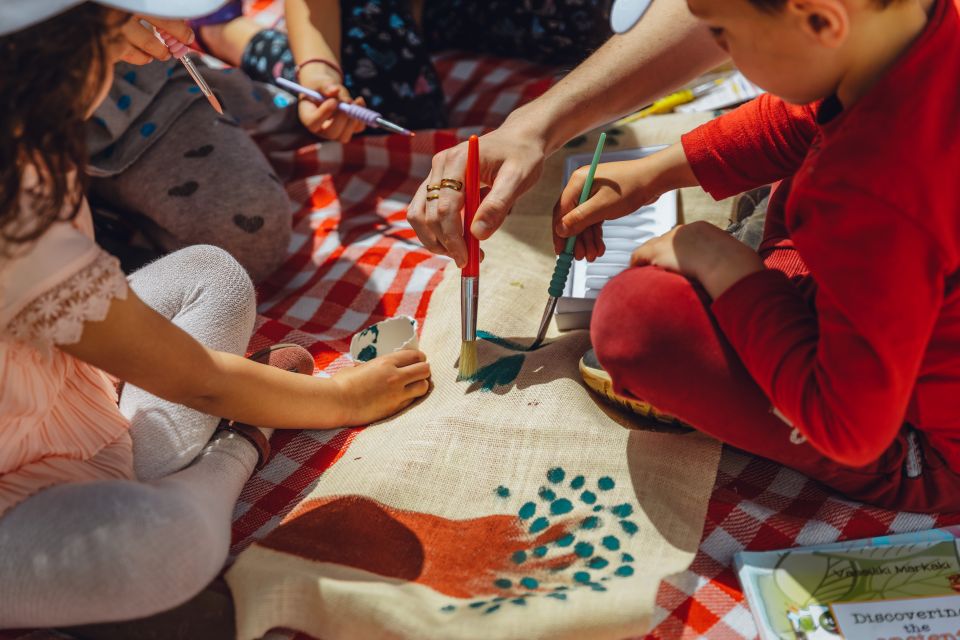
x=458, y=558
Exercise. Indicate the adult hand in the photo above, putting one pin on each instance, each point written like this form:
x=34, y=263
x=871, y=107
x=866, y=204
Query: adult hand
x=324, y=119
x=511, y=162
x=145, y=47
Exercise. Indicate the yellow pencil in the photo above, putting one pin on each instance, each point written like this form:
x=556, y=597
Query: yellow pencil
x=672, y=101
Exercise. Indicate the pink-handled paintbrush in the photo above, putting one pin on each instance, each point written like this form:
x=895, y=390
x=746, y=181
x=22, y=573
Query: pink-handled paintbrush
x=180, y=51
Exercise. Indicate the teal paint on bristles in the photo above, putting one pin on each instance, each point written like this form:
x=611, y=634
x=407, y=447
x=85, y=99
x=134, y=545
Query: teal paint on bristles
x=565, y=260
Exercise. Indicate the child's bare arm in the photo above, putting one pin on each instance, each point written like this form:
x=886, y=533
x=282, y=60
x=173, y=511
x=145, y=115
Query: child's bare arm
x=314, y=30
x=139, y=346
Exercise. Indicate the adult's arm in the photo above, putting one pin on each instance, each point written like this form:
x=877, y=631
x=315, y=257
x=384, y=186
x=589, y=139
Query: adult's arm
x=668, y=48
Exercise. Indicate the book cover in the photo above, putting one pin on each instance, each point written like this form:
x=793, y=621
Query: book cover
x=901, y=586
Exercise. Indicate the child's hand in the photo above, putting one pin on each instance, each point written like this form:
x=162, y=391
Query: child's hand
x=702, y=252
x=619, y=189
x=145, y=47
x=324, y=119
x=377, y=389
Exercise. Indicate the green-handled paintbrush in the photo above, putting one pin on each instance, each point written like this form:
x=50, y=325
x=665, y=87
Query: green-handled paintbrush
x=560, y=273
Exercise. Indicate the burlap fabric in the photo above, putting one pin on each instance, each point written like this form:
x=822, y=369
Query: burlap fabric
x=511, y=506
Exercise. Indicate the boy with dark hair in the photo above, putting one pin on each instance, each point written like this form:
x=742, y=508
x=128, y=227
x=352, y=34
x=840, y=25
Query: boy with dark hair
x=835, y=350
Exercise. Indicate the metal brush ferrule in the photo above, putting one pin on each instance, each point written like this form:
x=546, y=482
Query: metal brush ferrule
x=545, y=322
x=469, y=298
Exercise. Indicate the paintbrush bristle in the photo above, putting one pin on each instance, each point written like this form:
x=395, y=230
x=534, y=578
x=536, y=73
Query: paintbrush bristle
x=212, y=99
x=468, y=360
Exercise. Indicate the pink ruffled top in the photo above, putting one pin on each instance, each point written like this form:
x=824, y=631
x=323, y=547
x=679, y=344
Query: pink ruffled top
x=59, y=419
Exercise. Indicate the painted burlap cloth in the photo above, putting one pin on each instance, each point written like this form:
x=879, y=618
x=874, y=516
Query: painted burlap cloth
x=511, y=506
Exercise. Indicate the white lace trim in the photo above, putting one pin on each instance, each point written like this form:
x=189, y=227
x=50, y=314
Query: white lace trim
x=57, y=316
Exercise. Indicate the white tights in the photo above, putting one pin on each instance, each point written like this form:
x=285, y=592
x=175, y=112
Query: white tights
x=115, y=550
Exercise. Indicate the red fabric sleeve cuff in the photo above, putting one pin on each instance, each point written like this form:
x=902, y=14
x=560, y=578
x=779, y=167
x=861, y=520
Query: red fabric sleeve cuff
x=706, y=163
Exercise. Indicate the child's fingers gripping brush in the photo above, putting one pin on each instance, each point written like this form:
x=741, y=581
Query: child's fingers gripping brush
x=470, y=274
x=560, y=273
x=179, y=51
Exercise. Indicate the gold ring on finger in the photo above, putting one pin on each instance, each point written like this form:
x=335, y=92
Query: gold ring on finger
x=450, y=183
x=433, y=196
x=434, y=187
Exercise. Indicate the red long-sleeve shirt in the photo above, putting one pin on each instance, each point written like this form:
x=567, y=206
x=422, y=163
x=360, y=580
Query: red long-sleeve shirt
x=872, y=205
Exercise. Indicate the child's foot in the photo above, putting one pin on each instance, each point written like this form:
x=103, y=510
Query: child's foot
x=600, y=381
x=383, y=386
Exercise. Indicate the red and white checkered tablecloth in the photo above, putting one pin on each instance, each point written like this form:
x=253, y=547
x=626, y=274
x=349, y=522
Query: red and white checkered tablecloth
x=353, y=263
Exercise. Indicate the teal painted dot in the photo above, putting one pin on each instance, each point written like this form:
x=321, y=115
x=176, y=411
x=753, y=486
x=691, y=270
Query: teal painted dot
x=491, y=609
x=257, y=96
x=540, y=552
x=624, y=571
x=581, y=577
x=529, y=583
x=193, y=89
x=170, y=71
x=448, y=608
x=281, y=101
x=622, y=510
x=147, y=129
x=368, y=353
x=626, y=557
x=518, y=601
x=611, y=542
x=598, y=563
x=503, y=492
x=539, y=525
x=130, y=76
x=599, y=507
x=598, y=587
x=583, y=549
x=527, y=510
x=565, y=541
x=502, y=583
x=498, y=599
x=558, y=596
x=123, y=102
x=561, y=506
x=577, y=482
x=519, y=557
x=591, y=522
x=628, y=527
x=100, y=121
x=478, y=604
x=556, y=475
x=589, y=497
x=547, y=494
x=606, y=483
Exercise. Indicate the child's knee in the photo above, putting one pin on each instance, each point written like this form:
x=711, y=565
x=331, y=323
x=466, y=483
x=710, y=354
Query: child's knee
x=260, y=242
x=632, y=326
x=222, y=280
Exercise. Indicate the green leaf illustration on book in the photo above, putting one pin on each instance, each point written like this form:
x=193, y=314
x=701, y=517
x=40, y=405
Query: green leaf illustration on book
x=805, y=580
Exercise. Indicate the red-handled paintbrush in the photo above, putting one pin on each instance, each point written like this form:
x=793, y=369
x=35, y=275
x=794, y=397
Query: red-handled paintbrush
x=470, y=274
